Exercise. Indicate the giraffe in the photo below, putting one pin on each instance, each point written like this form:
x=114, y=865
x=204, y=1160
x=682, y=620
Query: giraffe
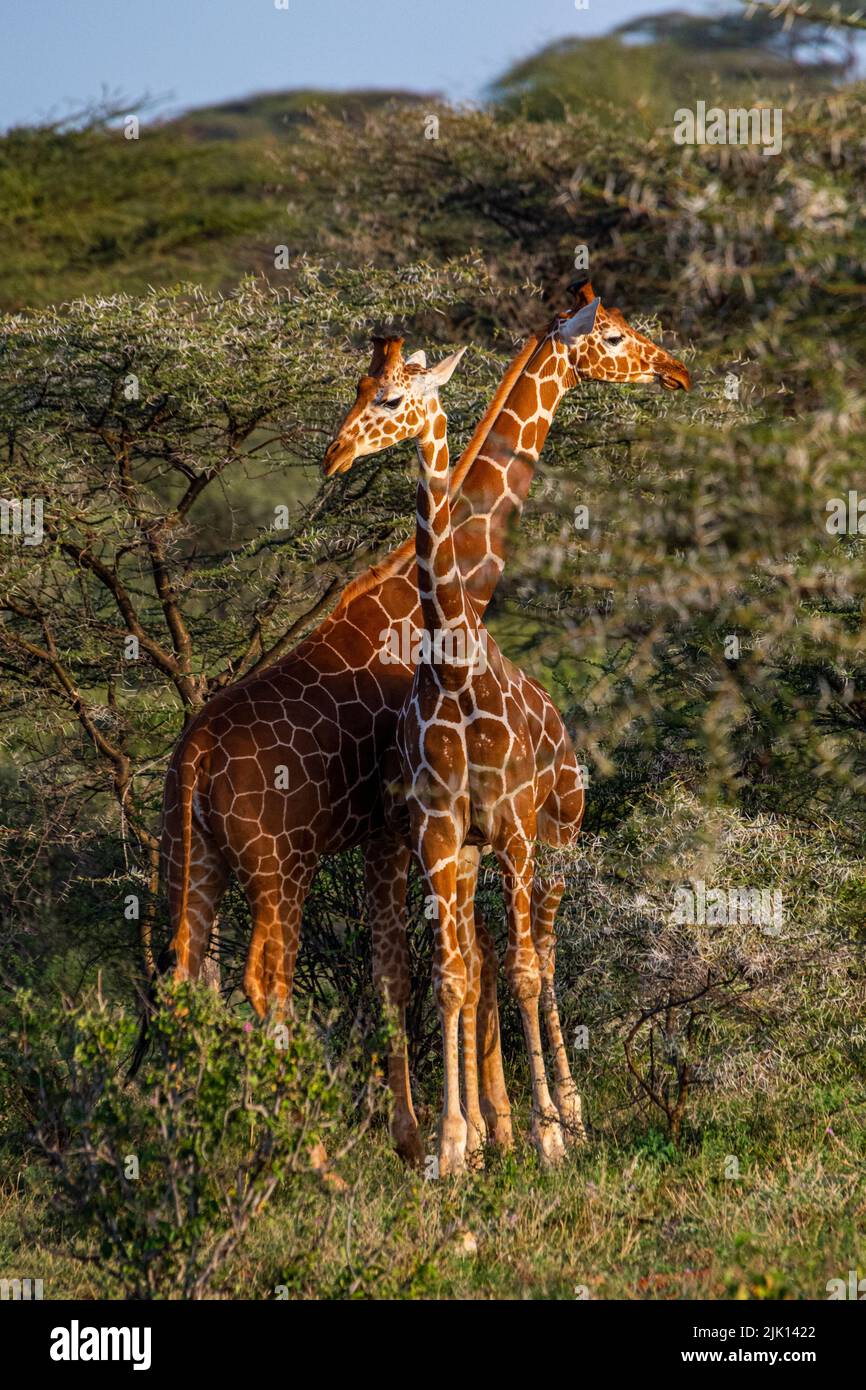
x=400, y=400
x=553, y=364
x=284, y=765
x=468, y=775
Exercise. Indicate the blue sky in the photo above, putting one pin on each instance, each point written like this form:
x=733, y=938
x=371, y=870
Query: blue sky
x=61, y=54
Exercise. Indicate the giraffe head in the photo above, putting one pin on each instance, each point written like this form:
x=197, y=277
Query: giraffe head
x=601, y=346
x=396, y=400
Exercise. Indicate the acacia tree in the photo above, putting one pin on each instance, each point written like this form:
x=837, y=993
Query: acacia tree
x=167, y=451
x=164, y=433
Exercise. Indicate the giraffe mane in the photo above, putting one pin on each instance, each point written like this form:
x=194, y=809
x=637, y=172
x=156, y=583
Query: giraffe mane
x=393, y=562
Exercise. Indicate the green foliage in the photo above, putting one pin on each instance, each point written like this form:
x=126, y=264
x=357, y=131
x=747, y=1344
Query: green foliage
x=708, y=520
x=281, y=113
x=160, y=1181
x=86, y=204
x=652, y=64
x=174, y=443
x=352, y=177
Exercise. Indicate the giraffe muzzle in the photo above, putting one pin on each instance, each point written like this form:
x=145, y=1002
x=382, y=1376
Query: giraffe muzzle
x=675, y=377
x=339, y=457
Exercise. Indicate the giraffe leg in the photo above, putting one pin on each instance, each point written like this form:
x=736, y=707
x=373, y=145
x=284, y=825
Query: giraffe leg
x=276, y=893
x=495, y=1105
x=205, y=874
x=208, y=877
x=546, y=895
x=386, y=866
x=275, y=875
x=524, y=977
x=558, y=825
x=467, y=874
x=438, y=857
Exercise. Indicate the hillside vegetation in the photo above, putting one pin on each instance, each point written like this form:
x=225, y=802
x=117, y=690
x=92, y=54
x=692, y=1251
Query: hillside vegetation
x=702, y=634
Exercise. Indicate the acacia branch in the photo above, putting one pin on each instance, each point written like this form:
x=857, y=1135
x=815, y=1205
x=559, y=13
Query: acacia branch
x=288, y=638
x=111, y=752
x=789, y=10
x=163, y=659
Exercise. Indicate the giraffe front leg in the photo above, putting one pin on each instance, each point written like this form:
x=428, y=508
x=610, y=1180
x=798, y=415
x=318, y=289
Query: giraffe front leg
x=524, y=977
x=438, y=856
x=546, y=896
x=467, y=875
x=386, y=866
x=495, y=1105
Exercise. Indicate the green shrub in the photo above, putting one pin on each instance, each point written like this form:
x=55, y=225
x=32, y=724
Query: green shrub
x=157, y=1183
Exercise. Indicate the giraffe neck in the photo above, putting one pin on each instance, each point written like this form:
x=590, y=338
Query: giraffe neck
x=488, y=485
x=449, y=619
x=497, y=483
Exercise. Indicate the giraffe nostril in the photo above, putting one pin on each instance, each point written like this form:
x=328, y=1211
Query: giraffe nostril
x=337, y=457
x=675, y=376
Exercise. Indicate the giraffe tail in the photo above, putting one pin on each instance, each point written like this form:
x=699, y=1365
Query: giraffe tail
x=187, y=780
x=184, y=772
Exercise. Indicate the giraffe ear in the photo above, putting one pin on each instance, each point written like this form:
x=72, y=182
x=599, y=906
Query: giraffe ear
x=440, y=374
x=579, y=324
x=417, y=359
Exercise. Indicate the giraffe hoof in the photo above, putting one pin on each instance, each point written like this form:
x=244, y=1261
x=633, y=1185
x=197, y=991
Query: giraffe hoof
x=329, y=1180
x=409, y=1147
x=499, y=1130
x=475, y=1158
x=571, y=1117
x=452, y=1146
x=548, y=1140
x=476, y=1140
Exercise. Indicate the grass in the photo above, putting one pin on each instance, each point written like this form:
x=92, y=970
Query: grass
x=628, y=1217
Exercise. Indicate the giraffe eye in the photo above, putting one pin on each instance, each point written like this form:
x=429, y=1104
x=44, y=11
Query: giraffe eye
x=392, y=404
x=613, y=338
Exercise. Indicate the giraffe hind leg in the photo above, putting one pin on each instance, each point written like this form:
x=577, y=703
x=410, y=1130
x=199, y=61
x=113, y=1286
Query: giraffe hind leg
x=484, y=1050
x=495, y=1105
x=386, y=866
x=276, y=886
x=192, y=930
x=524, y=976
x=467, y=876
x=559, y=825
x=437, y=850
x=276, y=890
x=546, y=895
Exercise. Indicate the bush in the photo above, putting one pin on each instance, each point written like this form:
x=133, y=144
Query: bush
x=157, y=1183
